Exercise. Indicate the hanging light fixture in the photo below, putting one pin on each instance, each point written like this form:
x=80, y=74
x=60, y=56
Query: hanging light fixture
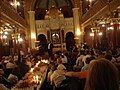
x=92, y=34
x=15, y=3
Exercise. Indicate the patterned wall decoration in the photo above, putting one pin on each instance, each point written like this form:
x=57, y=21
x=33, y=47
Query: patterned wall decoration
x=55, y=28
x=56, y=23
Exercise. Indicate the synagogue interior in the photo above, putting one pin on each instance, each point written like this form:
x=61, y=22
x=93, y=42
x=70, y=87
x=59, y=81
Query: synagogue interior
x=59, y=44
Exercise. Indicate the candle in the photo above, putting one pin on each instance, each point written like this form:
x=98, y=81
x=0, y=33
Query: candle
x=37, y=64
x=31, y=70
x=45, y=61
x=36, y=79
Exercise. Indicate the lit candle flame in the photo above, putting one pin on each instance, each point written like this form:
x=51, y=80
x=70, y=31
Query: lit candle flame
x=37, y=64
x=31, y=70
x=44, y=61
x=36, y=79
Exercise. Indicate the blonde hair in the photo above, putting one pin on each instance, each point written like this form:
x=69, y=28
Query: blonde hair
x=103, y=75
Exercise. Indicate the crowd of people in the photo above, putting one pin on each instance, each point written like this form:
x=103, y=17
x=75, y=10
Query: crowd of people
x=84, y=69
x=87, y=69
x=13, y=68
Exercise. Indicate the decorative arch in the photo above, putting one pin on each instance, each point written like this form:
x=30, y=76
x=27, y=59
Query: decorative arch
x=42, y=43
x=70, y=41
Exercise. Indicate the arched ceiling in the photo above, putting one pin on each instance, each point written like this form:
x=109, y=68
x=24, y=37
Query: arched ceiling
x=41, y=6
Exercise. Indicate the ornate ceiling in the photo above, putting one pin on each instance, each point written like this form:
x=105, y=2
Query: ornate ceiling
x=41, y=6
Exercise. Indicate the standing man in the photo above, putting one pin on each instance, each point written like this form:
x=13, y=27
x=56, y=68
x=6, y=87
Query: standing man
x=50, y=49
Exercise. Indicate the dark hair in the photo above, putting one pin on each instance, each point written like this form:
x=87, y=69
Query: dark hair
x=82, y=52
x=1, y=66
x=108, y=57
x=88, y=59
x=62, y=56
x=103, y=75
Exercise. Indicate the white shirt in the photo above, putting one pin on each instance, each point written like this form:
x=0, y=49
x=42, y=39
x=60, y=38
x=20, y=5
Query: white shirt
x=16, y=58
x=21, y=53
x=61, y=67
x=49, y=46
x=84, y=58
x=57, y=77
x=64, y=60
x=79, y=60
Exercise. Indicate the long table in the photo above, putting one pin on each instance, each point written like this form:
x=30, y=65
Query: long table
x=37, y=86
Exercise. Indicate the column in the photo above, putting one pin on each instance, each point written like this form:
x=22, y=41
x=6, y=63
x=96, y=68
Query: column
x=1, y=49
x=116, y=36
x=32, y=29
x=105, y=39
x=76, y=20
x=80, y=15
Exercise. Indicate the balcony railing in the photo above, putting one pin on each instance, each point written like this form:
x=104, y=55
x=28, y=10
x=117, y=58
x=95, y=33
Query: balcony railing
x=101, y=6
x=98, y=5
x=9, y=11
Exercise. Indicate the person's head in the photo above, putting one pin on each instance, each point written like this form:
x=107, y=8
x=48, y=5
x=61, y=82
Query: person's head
x=15, y=53
x=52, y=67
x=1, y=72
x=13, y=79
x=57, y=54
x=103, y=75
x=92, y=52
x=82, y=52
x=88, y=59
x=59, y=60
x=108, y=57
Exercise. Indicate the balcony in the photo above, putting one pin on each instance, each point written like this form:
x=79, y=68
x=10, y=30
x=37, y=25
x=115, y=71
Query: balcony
x=10, y=14
x=99, y=8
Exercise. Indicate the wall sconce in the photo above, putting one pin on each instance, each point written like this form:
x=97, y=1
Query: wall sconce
x=33, y=36
x=100, y=33
x=1, y=32
x=110, y=28
x=16, y=3
x=4, y=36
x=103, y=25
x=20, y=39
x=6, y=33
x=90, y=1
x=92, y=34
x=78, y=32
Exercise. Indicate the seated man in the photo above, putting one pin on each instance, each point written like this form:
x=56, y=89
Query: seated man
x=4, y=83
x=58, y=75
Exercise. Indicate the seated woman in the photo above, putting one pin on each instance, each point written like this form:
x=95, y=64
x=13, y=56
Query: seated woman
x=103, y=75
x=4, y=83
